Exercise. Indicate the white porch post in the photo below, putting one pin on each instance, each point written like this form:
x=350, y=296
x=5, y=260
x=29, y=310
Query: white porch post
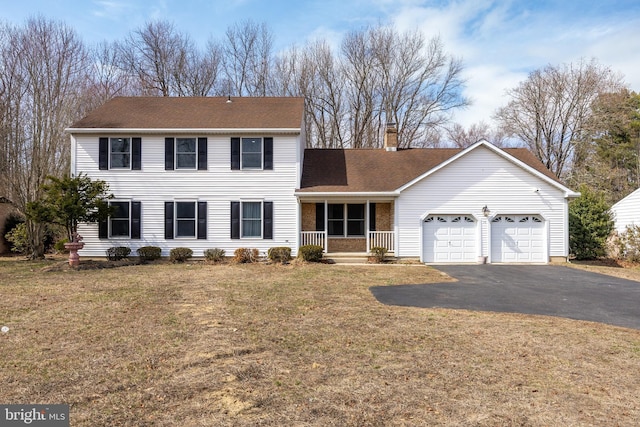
x=367, y=232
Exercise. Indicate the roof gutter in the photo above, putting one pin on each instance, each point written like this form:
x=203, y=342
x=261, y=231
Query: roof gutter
x=314, y=194
x=215, y=131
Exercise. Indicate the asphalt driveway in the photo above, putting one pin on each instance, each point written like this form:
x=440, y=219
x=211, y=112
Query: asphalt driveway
x=529, y=289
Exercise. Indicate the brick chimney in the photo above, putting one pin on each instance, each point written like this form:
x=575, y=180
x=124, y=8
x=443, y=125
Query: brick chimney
x=391, y=137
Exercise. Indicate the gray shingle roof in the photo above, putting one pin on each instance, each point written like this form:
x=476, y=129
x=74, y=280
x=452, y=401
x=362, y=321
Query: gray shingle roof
x=350, y=170
x=195, y=113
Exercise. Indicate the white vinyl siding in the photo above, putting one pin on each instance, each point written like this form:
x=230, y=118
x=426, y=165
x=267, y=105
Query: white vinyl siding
x=627, y=212
x=480, y=178
x=217, y=186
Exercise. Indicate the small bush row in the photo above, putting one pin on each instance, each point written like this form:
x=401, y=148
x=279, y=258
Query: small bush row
x=280, y=254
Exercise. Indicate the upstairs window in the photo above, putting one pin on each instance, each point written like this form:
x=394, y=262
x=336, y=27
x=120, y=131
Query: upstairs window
x=252, y=153
x=185, y=153
x=119, y=153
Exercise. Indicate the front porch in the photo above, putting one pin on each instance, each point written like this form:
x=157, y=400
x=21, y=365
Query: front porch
x=340, y=227
x=385, y=239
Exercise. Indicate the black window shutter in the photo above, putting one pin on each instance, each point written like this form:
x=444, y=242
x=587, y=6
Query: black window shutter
x=136, y=151
x=168, y=220
x=103, y=229
x=268, y=153
x=319, y=216
x=372, y=217
x=135, y=220
x=168, y=153
x=235, y=220
x=202, y=154
x=267, y=222
x=202, y=220
x=103, y=153
x=235, y=153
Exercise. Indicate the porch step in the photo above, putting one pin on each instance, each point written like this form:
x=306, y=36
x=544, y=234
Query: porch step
x=347, y=257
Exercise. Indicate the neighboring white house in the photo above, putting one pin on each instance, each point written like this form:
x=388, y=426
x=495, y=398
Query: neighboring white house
x=218, y=173
x=627, y=212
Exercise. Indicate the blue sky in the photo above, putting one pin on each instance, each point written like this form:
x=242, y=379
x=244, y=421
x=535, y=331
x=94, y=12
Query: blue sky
x=500, y=42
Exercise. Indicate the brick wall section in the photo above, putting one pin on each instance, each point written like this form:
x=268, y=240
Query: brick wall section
x=308, y=217
x=384, y=217
x=348, y=244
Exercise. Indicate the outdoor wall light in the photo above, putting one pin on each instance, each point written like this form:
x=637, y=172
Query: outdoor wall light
x=485, y=210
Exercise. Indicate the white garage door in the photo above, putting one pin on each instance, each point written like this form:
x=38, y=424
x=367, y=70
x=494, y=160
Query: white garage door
x=518, y=238
x=449, y=238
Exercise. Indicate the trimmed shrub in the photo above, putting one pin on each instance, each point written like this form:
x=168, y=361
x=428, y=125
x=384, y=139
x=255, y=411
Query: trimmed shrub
x=117, y=253
x=310, y=253
x=378, y=253
x=590, y=224
x=244, y=255
x=628, y=244
x=280, y=254
x=180, y=254
x=149, y=253
x=214, y=255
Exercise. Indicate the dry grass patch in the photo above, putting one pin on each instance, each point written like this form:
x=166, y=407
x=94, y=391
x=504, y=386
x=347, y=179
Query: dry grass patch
x=296, y=345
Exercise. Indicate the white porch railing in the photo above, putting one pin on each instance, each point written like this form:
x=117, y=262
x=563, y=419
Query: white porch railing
x=318, y=238
x=385, y=239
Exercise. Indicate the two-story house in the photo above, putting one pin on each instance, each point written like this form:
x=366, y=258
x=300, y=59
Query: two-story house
x=234, y=172
x=193, y=172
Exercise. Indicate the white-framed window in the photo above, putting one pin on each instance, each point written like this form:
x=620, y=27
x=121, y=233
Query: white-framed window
x=346, y=220
x=120, y=220
x=251, y=219
x=251, y=153
x=185, y=219
x=186, y=153
x=120, y=153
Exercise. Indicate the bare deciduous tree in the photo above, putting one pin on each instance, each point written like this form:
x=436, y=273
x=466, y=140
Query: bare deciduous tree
x=43, y=72
x=199, y=74
x=155, y=54
x=247, y=58
x=105, y=77
x=401, y=79
x=462, y=137
x=550, y=111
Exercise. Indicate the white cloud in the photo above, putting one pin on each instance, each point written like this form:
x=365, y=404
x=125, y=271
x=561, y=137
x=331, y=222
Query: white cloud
x=110, y=9
x=501, y=42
